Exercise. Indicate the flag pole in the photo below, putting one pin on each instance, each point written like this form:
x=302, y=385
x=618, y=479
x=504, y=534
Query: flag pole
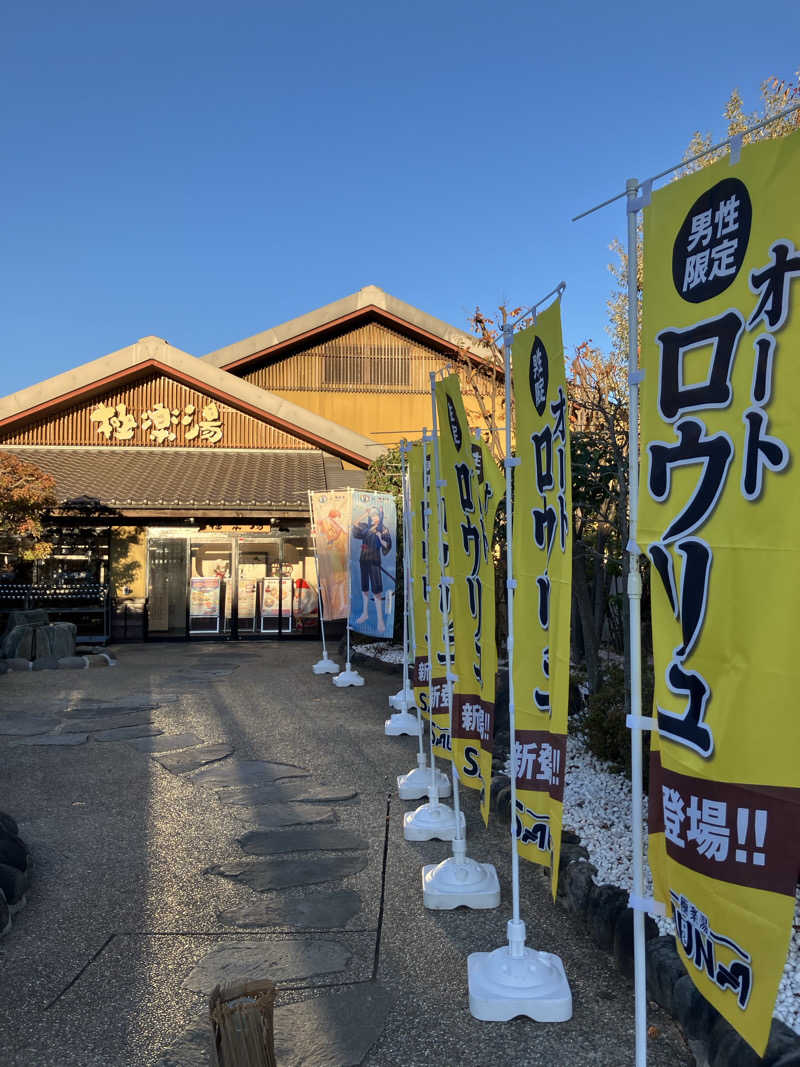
x=417, y=782
x=434, y=819
x=324, y=665
x=348, y=676
x=634, y=613
x=403, y=722
x=457, y=881
x=514, y=979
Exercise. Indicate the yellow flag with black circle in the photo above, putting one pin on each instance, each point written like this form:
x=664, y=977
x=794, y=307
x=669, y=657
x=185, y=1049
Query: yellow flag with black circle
x=470, y=502
x=718, y=521
x=542, y=552
x=429, y=650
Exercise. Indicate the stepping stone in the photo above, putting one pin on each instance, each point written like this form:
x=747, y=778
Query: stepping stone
x=18, y=724
x=109, y=707
x=192, y=758
x=104, y=722
x=275, y=815
x=322, y=911
x=280, y=962
x=165, y=743
x=301, y=790
x=284, y=874
x=53, y=739
x=333, y=1030
x=272, y=842
x=209, y=672
x=248, y=772
x=192, y=1049
x=124, y=733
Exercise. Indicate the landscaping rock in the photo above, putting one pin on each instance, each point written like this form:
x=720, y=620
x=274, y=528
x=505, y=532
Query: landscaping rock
x=692, y=1010
x=279, y=961
x=8, y=824
x=603, y=907
x=271, y=816
x=248, y=772
x=13, y=884
x=320, y=911
x=273, y=842
x=165, y=743
x=125, y=733
x=17, y=642
x=299, y=790
x=100, y=723
x=13, y=852
x=726, y=1047
x=5, y=914
x=73, y=663
x=22, y=725
x=53, y=739
x=305, y=1032
x=575, y=880
x=783, y=1047
x=45, y=663
x=623, y=939
x=285, y=874
x=192, y=1049
x=18, y=663
x=192, y=758
x=664, y=969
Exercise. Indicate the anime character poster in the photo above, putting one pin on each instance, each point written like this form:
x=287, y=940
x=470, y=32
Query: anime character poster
x=718, y=493
x=330, y=515
x=373, y=553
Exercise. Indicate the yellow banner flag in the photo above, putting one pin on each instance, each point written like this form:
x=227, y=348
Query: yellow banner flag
x=542, y=547
x=719, y=425
x=426, y=602
x=470, y=504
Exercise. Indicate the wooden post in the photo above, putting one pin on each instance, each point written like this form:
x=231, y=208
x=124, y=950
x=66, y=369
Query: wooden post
x=242, y=1024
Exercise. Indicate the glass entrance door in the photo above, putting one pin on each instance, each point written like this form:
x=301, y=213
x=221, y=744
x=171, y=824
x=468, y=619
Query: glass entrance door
x=167, y=601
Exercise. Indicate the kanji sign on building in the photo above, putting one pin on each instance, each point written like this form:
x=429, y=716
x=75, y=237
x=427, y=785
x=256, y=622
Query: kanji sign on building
x=160, y=423
x=719, y=523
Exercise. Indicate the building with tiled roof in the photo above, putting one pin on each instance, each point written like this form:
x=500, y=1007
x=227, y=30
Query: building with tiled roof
x=171, y=469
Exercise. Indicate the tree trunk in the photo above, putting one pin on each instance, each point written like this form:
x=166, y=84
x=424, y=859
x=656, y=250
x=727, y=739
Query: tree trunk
x=583, y=602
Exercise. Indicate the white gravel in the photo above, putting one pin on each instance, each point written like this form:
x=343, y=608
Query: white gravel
x=383, y=651
x=597, y=807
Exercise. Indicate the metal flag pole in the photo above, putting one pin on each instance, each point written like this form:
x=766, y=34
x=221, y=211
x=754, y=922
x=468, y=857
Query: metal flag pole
x=434, y=819
x=516, y=980
x=348, y=676
x=403, y=722
x=324, y=665
x=634, y=620
x=417, y=782
x=457, y=881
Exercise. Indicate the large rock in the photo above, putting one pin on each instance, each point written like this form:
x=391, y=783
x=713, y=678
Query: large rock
x=31, y=641
x=33, y=617
x=18, y=642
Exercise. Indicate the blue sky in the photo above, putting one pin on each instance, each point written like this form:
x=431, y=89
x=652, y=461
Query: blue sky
x=202, y=172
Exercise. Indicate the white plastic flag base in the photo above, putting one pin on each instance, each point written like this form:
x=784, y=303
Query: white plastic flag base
x=402, y=700
x=348, y=677
x=401, y=723
x=431, y=821
x=460, y=882
x=325, y=666
x=418, y=783
x=515, y=980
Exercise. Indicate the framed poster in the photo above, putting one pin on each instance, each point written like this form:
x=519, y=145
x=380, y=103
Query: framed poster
x=276, y=604
x=204, y=604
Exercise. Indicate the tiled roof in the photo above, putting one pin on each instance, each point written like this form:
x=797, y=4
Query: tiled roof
x=186, y=478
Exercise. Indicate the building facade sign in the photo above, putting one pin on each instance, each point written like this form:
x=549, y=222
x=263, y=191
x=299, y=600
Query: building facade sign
x=159, y=424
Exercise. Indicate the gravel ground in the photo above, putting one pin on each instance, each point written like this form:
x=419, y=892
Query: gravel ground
x=120, y=910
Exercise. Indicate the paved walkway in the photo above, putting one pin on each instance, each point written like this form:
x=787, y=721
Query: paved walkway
x=160, y=824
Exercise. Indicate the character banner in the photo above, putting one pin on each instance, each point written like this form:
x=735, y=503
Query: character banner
x=373, y=551
x=542, y=548
x=471, y=496
x=330, y=516
x=719, y=425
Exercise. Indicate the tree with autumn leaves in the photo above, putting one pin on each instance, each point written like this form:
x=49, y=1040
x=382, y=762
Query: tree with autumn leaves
x=26, y=496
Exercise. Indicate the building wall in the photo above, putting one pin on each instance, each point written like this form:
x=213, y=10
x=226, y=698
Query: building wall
x=371, y=379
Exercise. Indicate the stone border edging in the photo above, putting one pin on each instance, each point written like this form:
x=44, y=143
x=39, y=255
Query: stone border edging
x=604, y=908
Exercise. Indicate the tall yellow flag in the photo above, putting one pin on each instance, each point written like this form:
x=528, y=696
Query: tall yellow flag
x=471, y=502
x=542, y=547
x=718, y=520
x=426, y=599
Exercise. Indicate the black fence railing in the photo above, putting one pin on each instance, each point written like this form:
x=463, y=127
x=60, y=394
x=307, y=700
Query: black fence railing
x=87, y=604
